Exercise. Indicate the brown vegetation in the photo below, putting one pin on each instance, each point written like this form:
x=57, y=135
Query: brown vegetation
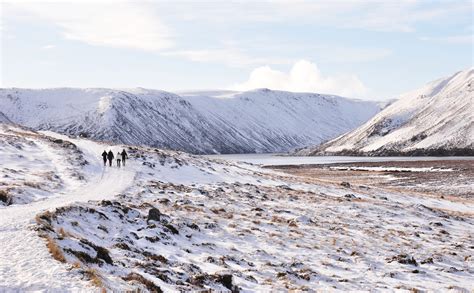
x=55, y=251
x=94, y=277
x=140, y=279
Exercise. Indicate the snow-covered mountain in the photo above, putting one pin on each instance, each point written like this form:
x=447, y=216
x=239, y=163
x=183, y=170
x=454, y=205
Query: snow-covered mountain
x=437, y=119
x=205, y=122
x=4, y=119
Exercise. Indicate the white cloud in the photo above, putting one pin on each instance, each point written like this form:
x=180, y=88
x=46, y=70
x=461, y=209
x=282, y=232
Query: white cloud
x=459, y=39
x=230, y=57
x=304, y=76
x=48, y=47
x=112, y=24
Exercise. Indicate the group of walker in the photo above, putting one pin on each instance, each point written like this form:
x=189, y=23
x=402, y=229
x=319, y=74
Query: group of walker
x=121, y=158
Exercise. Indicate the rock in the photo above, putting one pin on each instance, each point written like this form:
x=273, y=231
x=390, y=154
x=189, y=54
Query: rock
x=203, y=192
x=103, y=253
x=193, y=226
x=452, y=270
x=286, y=187
x=346, y=184
x=281, y=274
x=172, y=228
x=226, y=280
x=164, y=201
x=106, y=203
x=153, y=215
x=404, y=259
x=349, y=195
x=429, y=260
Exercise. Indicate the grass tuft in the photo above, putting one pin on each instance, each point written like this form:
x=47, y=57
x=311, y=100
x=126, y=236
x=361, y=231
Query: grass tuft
x=94, y=277
x=55, y=251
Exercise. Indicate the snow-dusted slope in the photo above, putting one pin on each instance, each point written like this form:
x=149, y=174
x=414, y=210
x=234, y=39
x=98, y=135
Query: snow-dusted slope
x=3, y=118
x=435, y=119
x=206, y=122
x=174, y=222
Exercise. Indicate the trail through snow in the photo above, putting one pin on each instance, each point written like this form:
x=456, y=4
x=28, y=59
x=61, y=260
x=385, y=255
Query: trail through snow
x=24, y=259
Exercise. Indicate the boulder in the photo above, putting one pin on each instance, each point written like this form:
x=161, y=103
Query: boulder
x=153, y=215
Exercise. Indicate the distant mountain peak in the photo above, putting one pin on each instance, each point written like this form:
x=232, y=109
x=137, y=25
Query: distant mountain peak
x=205, y=122
x=437, y=118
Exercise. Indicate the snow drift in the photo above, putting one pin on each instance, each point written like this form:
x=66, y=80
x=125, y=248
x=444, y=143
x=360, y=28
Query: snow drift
x=255, y=121
x=437, y=119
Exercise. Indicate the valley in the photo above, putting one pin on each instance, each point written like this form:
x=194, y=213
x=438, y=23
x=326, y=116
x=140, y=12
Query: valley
x=174, y=221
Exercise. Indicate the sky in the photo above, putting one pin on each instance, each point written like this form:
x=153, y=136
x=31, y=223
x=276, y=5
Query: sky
x=362, y=49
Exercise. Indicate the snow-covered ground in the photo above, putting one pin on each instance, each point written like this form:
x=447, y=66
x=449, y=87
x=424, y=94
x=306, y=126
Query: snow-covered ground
x=25, y=263
x=172, y=221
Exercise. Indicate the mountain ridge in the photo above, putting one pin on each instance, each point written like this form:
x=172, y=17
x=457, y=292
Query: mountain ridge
x=436, y=119
x=245, y=122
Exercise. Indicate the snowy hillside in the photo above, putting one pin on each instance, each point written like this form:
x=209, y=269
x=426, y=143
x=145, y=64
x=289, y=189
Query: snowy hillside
x=206, y=122
x=3, y=118
x=170, y=221
x=436, y=119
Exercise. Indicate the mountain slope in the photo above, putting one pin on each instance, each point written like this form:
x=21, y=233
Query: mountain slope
x=174, y=222
x=4, y=119
x=255, y=121
x=437, y=119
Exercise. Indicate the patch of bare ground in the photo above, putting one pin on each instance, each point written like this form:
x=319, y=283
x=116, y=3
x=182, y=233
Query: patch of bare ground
x=449, y=179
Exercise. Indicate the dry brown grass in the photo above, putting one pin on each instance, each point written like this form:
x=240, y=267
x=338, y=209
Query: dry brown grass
x=191, y=208
x=228, y=216
x=94, y=277
x=276, y=219
x=4, y=196
x=44, y=218
x=134, y=277
x=55, y=251
x=32, y=184
x=63, y=233
x=293, y=224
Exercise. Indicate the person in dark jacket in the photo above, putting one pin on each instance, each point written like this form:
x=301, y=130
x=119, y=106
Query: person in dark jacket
x=110, y=156
x=104, y=156
x=124, y=156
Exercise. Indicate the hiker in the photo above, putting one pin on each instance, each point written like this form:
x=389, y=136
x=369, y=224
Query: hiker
x=104, y=156
x=118, y=159
x=110, y=156
x=124, y=156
